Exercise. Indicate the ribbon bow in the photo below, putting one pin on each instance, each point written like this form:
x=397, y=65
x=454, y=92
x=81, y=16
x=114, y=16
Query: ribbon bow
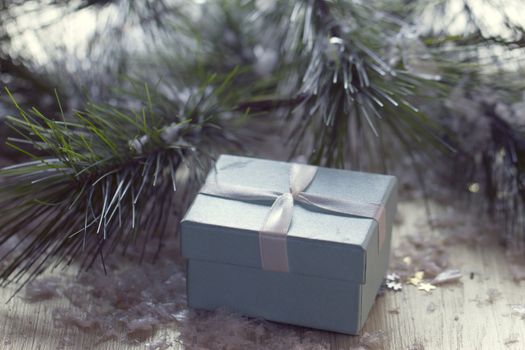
x=272, y=234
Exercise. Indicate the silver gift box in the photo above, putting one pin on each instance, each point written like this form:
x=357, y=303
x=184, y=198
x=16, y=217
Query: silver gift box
x=336, y=264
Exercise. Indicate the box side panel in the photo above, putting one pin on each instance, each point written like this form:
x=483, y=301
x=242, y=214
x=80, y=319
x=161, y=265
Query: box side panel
x=241, y=247
x=377, y=265
x=220, y=244
x=282, y=297
x=390, y=201
x=377, y=261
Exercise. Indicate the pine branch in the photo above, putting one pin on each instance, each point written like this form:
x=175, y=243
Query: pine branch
x=503, y=161
x=348, y=83
x=490, y=161
x=107, y=177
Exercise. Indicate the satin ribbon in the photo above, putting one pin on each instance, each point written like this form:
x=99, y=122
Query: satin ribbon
x=272, y=234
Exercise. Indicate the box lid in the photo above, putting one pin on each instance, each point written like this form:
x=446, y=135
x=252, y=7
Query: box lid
x=319, y=243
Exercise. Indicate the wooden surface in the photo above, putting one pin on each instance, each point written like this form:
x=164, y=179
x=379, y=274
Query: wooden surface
x=476, y=313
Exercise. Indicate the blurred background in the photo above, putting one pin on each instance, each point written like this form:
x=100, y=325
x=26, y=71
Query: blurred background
x=430, y=90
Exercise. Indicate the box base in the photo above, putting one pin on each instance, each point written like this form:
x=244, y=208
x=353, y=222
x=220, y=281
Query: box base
x=332, y=305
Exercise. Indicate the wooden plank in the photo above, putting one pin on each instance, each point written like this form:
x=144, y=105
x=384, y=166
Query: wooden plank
x=465, y=315
x=476, y=313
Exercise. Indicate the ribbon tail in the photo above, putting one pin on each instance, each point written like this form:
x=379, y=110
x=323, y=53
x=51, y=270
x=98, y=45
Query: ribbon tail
x=272, y=236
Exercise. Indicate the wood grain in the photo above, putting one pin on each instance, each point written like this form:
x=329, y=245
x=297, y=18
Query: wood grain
x=455, y=316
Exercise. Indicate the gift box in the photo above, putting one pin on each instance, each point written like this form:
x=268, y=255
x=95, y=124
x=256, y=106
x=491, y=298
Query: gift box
x=289, y=243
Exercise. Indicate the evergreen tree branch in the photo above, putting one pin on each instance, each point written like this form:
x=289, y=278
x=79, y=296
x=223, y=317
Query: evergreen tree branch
x=347, y=83
x=107, y=176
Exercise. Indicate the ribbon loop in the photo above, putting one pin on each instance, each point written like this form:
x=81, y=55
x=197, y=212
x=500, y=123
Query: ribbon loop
x=300, y=177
